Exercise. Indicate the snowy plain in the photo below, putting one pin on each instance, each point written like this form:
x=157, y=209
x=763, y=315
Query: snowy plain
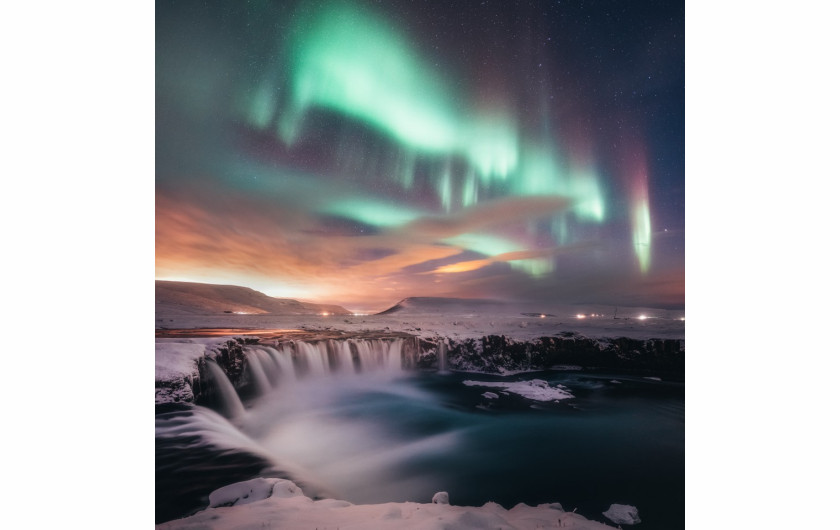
x=628, y=322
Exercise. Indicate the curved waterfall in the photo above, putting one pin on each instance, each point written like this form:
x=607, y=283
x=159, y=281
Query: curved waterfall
x=269, y=367
x=231, y=403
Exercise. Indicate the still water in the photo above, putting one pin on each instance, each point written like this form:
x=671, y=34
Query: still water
x=378, y=437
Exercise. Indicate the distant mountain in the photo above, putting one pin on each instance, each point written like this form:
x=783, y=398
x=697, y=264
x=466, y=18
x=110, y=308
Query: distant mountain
x=429, y=305
x=207, y=299
x=496, y=308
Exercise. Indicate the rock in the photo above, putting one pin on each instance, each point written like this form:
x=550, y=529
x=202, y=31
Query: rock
x=441, y=497
x=623, y=514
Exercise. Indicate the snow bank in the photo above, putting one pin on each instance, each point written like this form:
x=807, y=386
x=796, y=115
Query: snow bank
x=623, y=514
x=176, y=359
x=535, y=389
x=252, y=491
x=174, y=367
x=293, y=511
x=440, y=497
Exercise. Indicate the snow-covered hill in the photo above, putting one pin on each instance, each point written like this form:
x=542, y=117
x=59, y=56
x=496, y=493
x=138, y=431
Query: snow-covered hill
x=418, y=305
x=187, y=298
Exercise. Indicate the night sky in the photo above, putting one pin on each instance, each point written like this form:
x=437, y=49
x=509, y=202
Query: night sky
x=361, y=152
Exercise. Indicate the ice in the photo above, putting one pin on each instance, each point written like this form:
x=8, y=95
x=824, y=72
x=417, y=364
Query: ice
x=623, y=514
x=176, y=359
x=440, y=497
x=535, y=389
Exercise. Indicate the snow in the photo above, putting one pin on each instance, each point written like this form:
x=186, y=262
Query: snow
x=623, y=514
x=174, y=367
x=252, y=491
x=440, y=497
x=517, y=325
x=176, y=359
x=535, y=389
x=490, y=395
x=294, y=511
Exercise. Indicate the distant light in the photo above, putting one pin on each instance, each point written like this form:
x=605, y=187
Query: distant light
x=542, y=316
x=593, y=315
x=642, y=317
x=682, y=318
x=241, y=313
x=324, y=314
x=580, y=316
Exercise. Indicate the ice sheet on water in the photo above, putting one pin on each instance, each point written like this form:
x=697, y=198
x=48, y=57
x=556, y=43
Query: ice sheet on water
x=535, y=389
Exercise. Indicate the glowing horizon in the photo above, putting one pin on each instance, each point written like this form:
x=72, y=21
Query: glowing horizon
x=357, y=154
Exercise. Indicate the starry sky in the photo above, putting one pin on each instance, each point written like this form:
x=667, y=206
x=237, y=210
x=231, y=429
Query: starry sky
x=360, y=152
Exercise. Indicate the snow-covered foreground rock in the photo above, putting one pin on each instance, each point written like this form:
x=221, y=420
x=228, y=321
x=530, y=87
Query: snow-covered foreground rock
x=623, y=514
x=277, y=503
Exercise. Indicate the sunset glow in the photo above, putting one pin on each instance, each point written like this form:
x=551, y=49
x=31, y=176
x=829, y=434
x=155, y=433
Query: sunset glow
x=339, y=152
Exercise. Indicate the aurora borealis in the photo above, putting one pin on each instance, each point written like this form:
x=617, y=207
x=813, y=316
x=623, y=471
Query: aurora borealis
x=358, y=152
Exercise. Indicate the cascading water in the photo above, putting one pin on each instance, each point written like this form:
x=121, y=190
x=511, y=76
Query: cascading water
x=315, y=357
x=379, y=356
x=394, y=358
x=231, y=403
x=257, y=371
x=283, y=360
x=442, y=354
x=270, y=367
x=344, y=353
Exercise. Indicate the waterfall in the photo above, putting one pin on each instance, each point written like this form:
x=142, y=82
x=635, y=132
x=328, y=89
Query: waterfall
x=367, y=357
x=257, y=371
x=269, y=366
x=442, y=353
x=230, y=399
x=378, y=355
x=316, y=358
x=283, y=359
x=344, y=354
x=295, y=362
x=395, y=356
